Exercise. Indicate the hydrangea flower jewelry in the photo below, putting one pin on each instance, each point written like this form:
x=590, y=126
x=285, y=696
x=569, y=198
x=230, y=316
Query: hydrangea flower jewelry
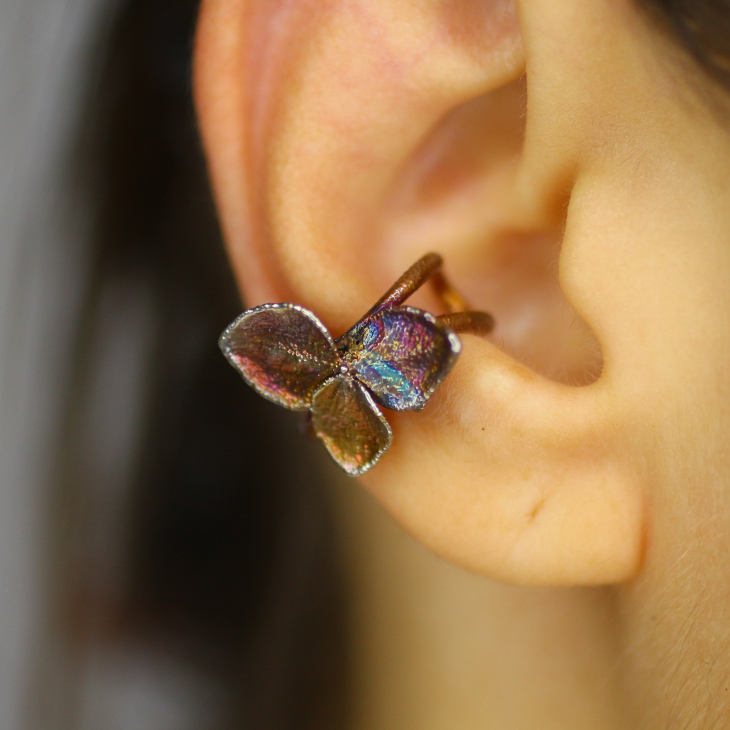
x=395, y=357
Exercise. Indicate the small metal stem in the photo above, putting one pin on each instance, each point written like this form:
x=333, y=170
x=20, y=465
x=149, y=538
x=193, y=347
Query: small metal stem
x=453, y=301
x=459, y=319
x=475, y=323
x=408, y=283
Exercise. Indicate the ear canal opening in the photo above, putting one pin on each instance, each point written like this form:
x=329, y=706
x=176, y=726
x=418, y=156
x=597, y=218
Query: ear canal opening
x=457, y=194
x=516, y=277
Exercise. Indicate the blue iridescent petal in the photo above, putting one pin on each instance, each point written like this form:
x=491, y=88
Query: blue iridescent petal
x=401, y=354
x=394, y=390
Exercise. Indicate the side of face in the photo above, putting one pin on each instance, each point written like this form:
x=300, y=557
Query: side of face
x=563, y=158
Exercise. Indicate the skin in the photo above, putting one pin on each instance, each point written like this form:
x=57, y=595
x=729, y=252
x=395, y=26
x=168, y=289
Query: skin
x=574, y=171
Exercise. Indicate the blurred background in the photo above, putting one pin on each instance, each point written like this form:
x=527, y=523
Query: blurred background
x=166, y=552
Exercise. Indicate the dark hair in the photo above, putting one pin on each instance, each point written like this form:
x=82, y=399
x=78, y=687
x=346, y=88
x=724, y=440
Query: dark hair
x=702, y=28
x=226, y=540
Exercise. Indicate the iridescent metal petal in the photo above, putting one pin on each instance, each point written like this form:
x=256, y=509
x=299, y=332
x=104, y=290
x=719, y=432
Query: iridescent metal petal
x=350, y=424
x=282, y=351
x=401, y=354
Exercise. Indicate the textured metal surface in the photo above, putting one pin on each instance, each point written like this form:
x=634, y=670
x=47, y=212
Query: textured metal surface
x=474, y=323
x=401, y=354
x=350, y=424
x=408, y=282
x=283, y=351
x=395, y=356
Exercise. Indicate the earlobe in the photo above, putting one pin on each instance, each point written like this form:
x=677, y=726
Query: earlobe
x=518, y=477
x=345, y=139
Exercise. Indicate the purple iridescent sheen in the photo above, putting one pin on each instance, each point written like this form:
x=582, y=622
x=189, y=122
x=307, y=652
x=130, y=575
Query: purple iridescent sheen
x=395, y=356
x=283, y=352
x=401, y=354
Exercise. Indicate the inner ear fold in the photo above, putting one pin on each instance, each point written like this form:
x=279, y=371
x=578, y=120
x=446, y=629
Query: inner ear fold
x=456, y=195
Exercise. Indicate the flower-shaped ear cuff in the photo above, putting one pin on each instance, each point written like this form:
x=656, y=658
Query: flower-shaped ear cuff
x=395, y=357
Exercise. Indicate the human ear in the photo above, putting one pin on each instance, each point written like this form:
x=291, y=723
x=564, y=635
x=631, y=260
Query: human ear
x=345, y=139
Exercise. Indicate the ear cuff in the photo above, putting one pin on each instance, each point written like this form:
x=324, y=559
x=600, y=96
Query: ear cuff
x=395, y=357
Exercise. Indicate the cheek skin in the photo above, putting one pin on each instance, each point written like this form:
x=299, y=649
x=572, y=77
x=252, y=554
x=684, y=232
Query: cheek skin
x=655, y=248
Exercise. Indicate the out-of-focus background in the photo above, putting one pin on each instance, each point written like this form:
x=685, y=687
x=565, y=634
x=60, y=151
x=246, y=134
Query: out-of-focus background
x=165, y=545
